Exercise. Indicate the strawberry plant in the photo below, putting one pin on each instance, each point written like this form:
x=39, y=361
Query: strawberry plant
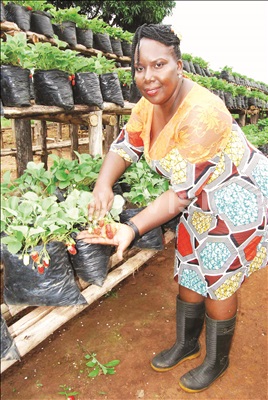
x=65, y=14
x=146, y=185
x=15, y=50
x=98, y=368
x=67, y=392
x=31, y=220
x=33, y=5
x=124, y=76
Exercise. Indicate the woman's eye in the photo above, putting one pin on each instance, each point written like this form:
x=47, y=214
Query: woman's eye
x=138, y=69
x=159, y=65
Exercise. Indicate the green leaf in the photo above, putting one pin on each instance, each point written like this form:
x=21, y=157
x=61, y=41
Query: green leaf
x=91, y=364
x=94, y=373
x=112, y=363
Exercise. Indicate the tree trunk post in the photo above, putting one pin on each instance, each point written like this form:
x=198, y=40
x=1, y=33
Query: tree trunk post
x=242, y=118
x=95, y=133
x=111, y=132
x=73, y=131
x=43, y=140
x=23, y=139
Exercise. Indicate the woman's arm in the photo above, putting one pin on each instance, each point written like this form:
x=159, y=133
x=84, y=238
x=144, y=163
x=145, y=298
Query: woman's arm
x=112, y=168
x=163, y=209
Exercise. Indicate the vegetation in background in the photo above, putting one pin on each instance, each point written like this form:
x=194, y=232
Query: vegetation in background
x=126, y=14
x=257, y=134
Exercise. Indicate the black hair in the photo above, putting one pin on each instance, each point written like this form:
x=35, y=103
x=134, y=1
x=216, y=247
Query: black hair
x=159, y=32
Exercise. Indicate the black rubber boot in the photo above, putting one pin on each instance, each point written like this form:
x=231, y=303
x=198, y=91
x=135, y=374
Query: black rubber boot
x=219, y=336
x=190, y=320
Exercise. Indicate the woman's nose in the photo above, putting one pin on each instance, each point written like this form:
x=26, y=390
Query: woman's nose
x=148, y=75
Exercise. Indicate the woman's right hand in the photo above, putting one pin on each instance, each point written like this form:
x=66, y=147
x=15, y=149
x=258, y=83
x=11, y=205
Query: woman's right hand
x=101, y=203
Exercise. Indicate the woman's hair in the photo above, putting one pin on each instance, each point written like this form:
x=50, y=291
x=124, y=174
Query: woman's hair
x=161, y=33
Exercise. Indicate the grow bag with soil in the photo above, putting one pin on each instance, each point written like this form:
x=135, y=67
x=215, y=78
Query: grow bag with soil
x=101, y=41
x=91, y=262
x=53, y=88
x=186, y=66
x=66, y=31
x=15, y=86
x=135, y=94
x=229, y=102
x=41, y=23
x=125, y=92
x=117, y=47
x=126, y=48
x=18, y=14
x=111, y=89
x=87, y=89
x=84, y=37
x=153, y=239
x=9, y=349
x=55, y=287
x=2, y=12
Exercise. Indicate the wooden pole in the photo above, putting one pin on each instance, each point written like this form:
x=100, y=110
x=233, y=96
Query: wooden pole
x=95, y=133
x=73, y=129
x=43, y=137
x=23, y=144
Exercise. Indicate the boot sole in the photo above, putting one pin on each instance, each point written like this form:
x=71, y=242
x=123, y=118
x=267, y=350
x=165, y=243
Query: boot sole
x=200, y=390
x=191, y=357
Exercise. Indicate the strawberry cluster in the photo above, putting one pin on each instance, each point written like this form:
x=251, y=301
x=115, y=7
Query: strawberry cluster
x=104, y=227
x=72, y=79
x=42, y=262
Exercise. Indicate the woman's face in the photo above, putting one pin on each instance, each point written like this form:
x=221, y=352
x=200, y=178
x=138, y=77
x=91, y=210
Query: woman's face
x=156, y=74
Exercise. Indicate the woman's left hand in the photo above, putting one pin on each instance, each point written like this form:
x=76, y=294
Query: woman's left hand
x=121, y=236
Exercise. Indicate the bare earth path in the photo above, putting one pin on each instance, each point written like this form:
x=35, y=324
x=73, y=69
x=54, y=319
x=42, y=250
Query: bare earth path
x=132, y=324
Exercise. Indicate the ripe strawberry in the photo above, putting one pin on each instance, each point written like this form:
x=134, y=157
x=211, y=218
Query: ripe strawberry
x=73, y=82
x=70, y=398
x=101, y=223
x=110, y=231
x=72, y=250
x=70, y=77
x=97, y=230
x=35, y=256
x=40, y=269
x=45, y=262
x=73, y=76
x=29, y=8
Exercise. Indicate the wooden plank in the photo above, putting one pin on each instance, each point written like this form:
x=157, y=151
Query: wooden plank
x=33, y=335
x=46, y=112
x=57, y=145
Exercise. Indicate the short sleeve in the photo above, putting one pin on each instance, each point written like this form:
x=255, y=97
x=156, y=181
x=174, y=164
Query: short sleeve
x=129, y=143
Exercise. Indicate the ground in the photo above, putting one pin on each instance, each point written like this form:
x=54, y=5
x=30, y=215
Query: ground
x=134, y=322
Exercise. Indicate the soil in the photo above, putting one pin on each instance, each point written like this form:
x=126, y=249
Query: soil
x=132, y=323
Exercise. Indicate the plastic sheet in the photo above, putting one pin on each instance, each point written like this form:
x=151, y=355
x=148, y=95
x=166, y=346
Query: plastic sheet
x=66, y=32
x=53, y=88
x=9, y=349
x=15, y=86
x=91, y=262
x=55, y=287
x=101, y=41
x=84, y=37
x=87, y=89
x=18, y=14
x=111, y=89
x=41, y=23
x=153, y=239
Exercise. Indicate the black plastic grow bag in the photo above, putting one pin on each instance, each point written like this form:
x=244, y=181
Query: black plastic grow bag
x=15, y=86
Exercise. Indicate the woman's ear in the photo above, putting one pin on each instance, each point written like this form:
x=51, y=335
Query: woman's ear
x=180, y=67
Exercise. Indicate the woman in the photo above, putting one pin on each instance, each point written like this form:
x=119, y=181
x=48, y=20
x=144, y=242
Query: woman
x=218, y=186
